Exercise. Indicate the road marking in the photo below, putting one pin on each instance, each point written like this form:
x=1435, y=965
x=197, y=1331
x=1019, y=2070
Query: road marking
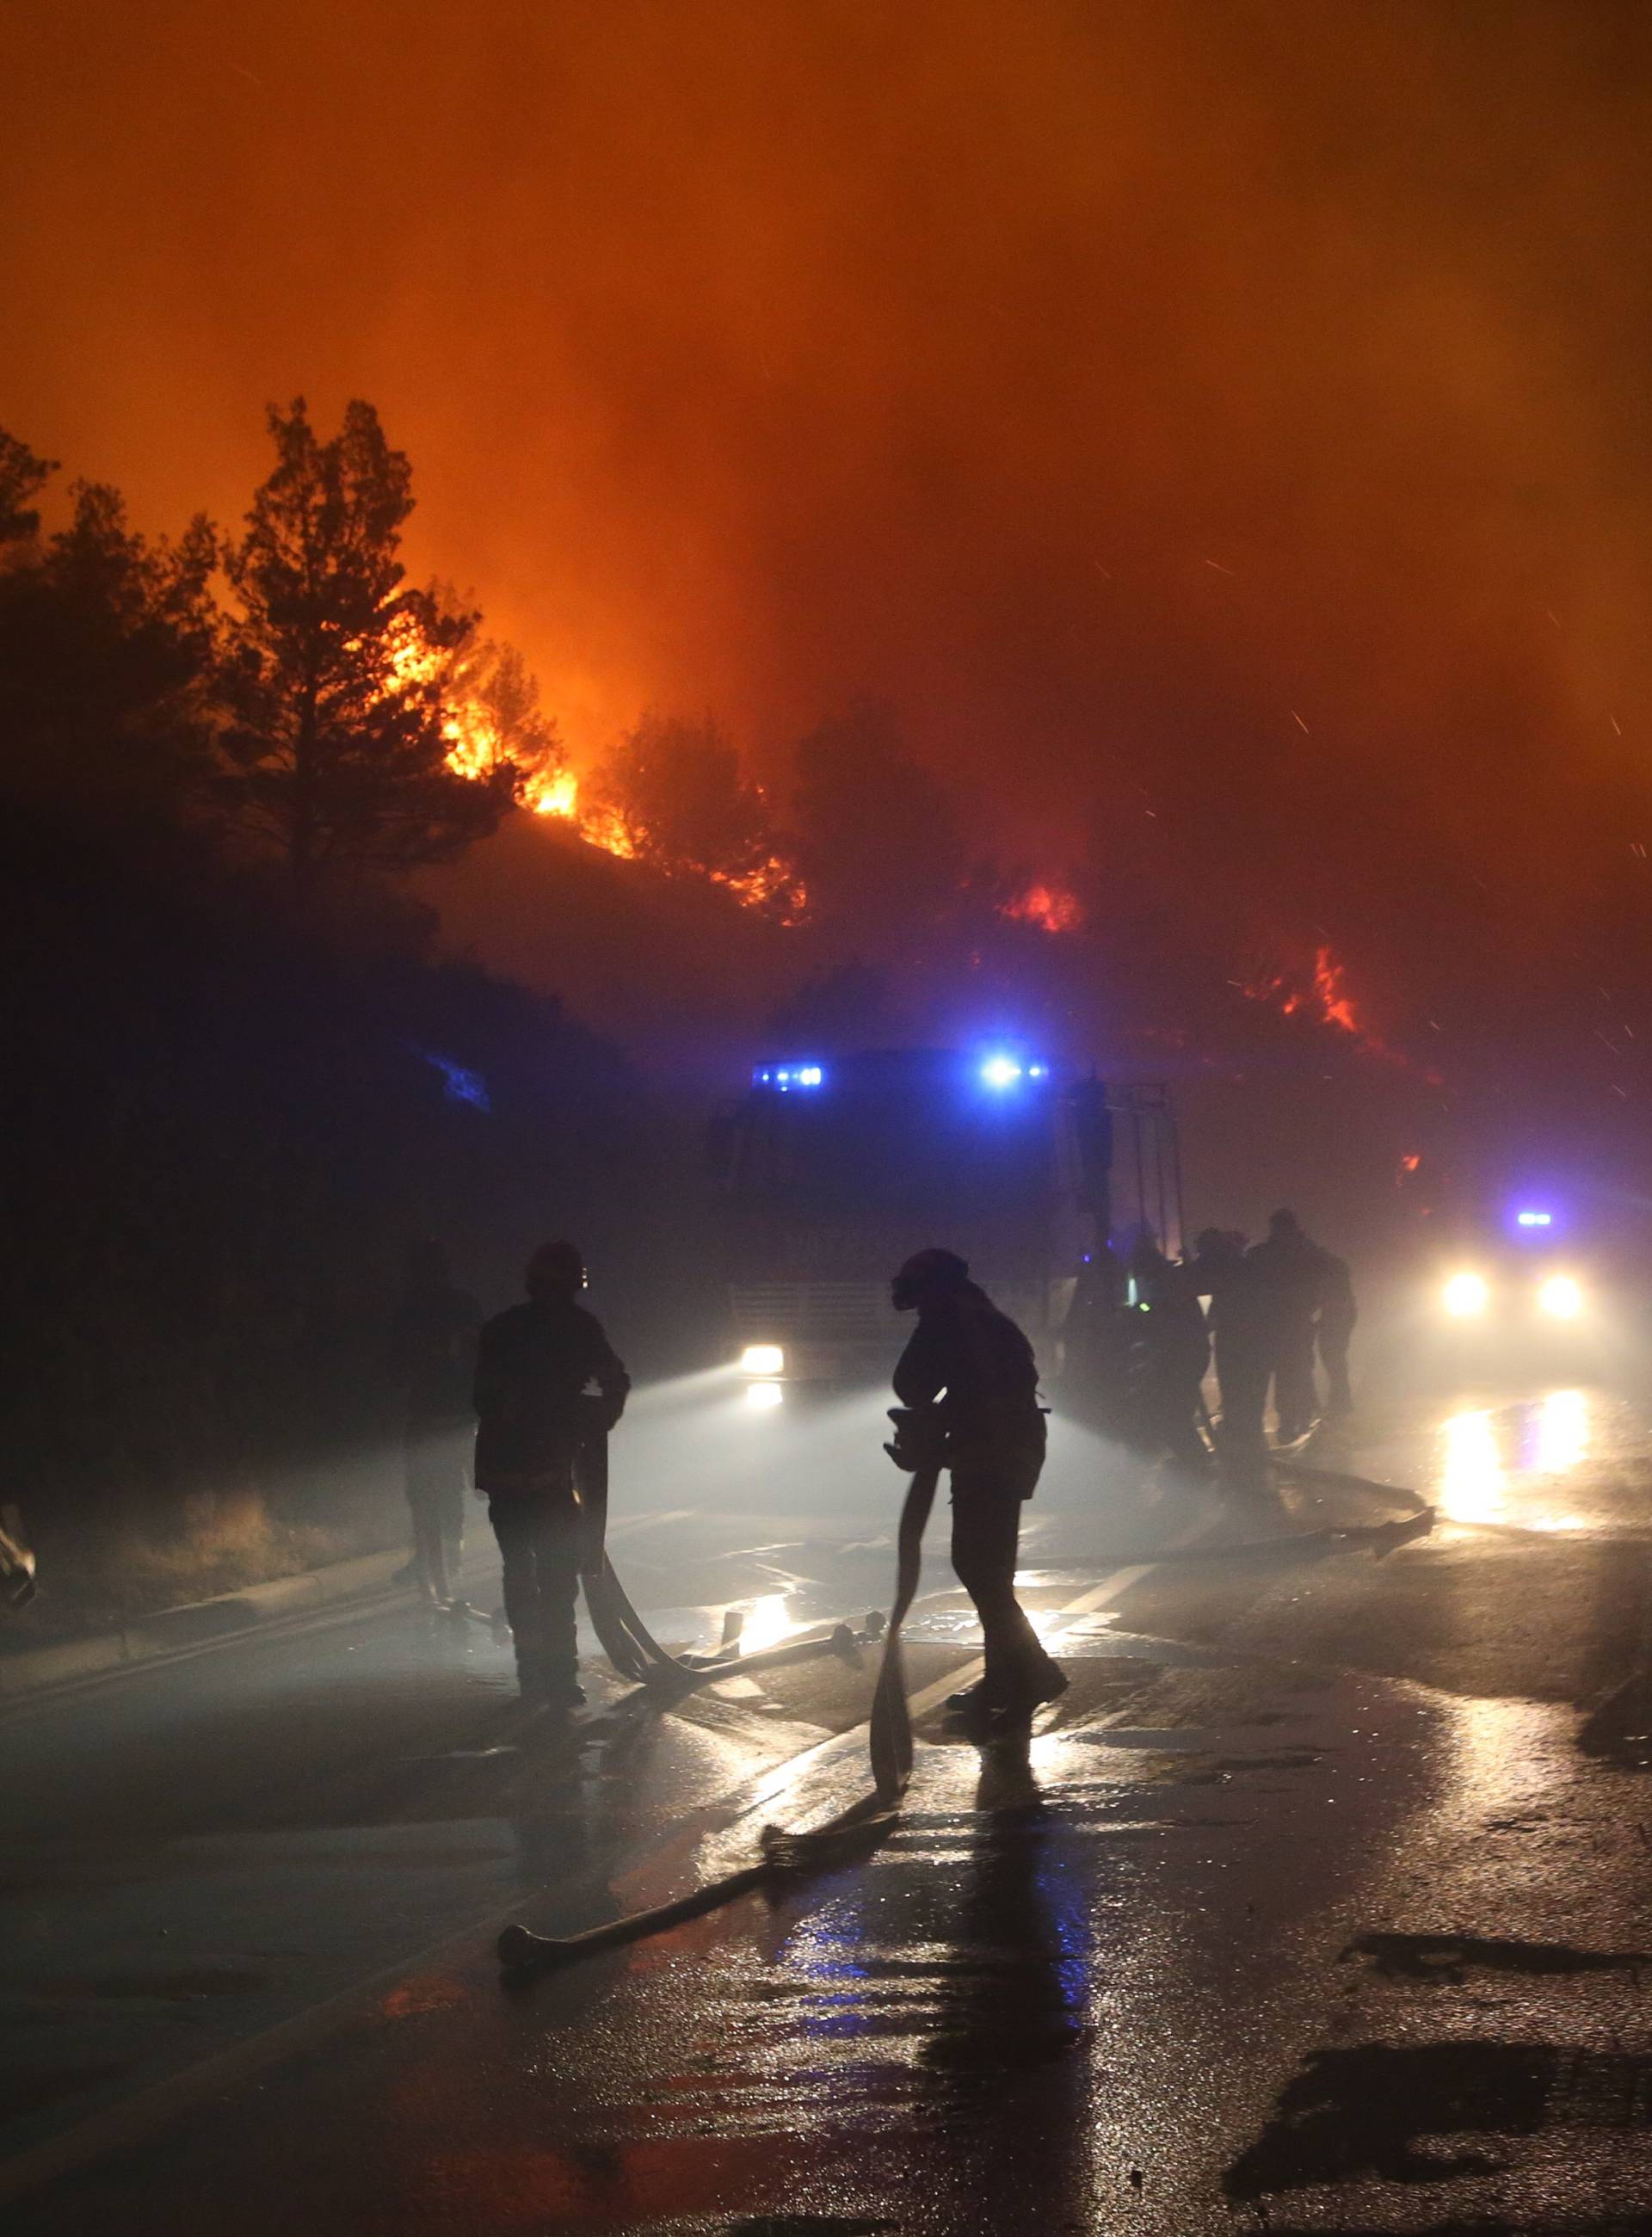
x=1109, y=1588
x=653, y=1519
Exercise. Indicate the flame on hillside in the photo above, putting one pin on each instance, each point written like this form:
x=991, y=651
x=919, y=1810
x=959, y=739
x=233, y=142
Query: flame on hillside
x=597, y=826
x=1325, y=996
x=477, y=747
x=1050, y=907
x=1334, y=1003
x=557, y=796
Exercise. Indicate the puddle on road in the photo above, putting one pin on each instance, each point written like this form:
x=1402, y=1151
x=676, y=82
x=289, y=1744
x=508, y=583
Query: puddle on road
x=1450, y=1957
x=1433, y=2112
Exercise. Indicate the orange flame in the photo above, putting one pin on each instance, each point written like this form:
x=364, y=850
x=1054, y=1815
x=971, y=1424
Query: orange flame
x=1326, y=997
x=559, y=796
x=1336, y=1005
x=474, y=746
x=1052, y=908
x=476, y=749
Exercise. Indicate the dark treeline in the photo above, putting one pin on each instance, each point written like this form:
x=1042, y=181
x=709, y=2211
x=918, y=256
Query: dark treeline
x=240, y=1081
x=224, y=1128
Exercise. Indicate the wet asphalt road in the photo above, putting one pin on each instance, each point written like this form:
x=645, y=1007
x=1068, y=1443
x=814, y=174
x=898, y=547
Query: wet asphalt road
x=1302, y=1910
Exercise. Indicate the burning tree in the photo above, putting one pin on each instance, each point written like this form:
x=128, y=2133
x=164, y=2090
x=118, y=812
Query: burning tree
x=337, y=745
x=492, y=719
x=673, y=793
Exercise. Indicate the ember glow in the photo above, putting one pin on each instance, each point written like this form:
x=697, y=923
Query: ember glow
x=1324, y=995
x=1050, y=907
x=1331, y=993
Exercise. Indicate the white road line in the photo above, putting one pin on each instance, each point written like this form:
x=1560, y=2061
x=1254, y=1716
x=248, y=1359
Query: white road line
x=628, y=1524
x=1109, y=1588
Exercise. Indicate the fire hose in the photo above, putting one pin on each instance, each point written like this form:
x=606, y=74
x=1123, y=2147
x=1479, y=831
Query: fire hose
x=623, y=1635
x=914, y=1447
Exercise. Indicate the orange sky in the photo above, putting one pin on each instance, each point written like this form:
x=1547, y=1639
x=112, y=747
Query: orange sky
x=1236, y=412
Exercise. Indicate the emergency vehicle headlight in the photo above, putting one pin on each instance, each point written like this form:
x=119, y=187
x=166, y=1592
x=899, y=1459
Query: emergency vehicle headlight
x=764, y=1396
x=1466, y=1296
x=765, y=1359
x=1000, y=1072
x=1560, y=1298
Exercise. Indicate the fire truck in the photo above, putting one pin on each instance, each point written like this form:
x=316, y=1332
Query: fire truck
x=833, y=1171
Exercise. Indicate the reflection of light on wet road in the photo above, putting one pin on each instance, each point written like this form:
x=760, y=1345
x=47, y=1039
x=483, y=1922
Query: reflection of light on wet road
x=767, y=1623
x=1504, y=1750
x=1496, y=1465
x=1471, y=1488
x=1563, y=1432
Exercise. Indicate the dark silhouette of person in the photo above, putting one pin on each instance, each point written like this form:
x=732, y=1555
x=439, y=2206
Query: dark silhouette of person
x=433, y=1354
x=1174, y=1345
x=977, y=1369
x=1241, y=1325
x=534, y=1365
x=1335, y=1329
x=1291, y=1269
x=1096, y=1343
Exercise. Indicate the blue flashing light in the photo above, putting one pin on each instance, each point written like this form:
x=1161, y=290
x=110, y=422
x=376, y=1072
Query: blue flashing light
x=1001, y=1071
x=1534, y=1219
x=785, y=1076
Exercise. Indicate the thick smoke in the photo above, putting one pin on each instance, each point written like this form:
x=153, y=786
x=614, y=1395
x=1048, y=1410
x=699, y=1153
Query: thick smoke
x=1220, y=429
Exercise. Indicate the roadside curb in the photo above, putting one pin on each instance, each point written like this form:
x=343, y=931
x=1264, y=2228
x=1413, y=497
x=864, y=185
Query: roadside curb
x=201, y=1623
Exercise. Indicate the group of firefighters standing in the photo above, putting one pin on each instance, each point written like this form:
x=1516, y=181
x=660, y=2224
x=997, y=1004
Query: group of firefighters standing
x=537, y=1385
x=1146, y=1332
